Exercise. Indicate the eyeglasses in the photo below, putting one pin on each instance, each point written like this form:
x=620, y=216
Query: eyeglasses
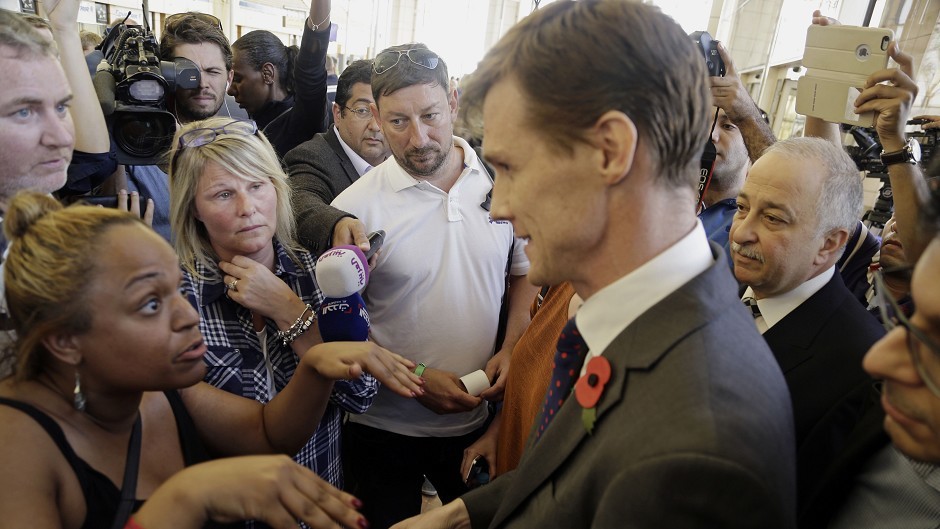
x=924, y=351
x=387, y=60
x=362, y=113
x=205, y=136
x=174, y=20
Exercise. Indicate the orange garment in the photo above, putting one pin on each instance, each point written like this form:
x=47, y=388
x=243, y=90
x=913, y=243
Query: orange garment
x=529, y=375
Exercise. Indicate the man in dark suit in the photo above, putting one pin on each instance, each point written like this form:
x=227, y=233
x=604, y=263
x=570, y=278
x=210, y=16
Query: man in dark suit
x=797, y=209
x=886, y=476
x=321, y=168
x=693, y=426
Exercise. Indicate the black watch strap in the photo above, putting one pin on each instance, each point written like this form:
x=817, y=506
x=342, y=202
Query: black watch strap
x=905, y=155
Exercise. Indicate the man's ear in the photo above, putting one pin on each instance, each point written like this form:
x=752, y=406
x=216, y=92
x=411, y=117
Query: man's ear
x=615, y=135
x=832, y=242
x=64, y=347
x=452, y=103
x=337, y=112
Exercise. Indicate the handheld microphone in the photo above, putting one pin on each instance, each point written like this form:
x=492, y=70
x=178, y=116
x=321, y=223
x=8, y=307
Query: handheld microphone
x=344, y=319
x=341, y=273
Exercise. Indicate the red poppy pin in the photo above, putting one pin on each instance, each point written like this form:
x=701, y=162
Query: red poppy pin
x=589, y=388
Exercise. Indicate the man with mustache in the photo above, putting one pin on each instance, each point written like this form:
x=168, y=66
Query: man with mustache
x=796, y=210
x=323, y=167
x=435, y=294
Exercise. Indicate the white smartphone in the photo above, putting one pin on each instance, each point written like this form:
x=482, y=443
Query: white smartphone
x=838, y=61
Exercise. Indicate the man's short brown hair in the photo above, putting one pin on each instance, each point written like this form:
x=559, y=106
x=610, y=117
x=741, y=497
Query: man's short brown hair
x=20, y=36
x=193, y=30
x=630, y=58
x=405, y=73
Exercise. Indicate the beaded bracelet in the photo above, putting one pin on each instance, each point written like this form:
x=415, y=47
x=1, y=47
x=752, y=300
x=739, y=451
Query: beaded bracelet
x=299, y=326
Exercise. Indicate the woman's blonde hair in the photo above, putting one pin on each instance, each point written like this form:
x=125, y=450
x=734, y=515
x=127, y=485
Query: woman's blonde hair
x=52, y=255
x=247, y=156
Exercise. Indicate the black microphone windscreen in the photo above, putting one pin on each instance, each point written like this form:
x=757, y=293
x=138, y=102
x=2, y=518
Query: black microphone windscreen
x=104, y=87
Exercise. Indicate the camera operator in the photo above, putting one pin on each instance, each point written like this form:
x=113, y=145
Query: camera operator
x=198, y=38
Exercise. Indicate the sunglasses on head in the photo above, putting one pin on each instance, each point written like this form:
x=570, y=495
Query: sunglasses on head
x=387, y=60
x=204, y=136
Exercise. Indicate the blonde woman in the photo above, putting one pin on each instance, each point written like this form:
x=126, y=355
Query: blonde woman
x=254, y=287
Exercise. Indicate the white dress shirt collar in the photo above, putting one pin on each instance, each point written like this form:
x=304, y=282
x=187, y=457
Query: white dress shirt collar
x=609, y=311
x=774, y=309
x=358, y=162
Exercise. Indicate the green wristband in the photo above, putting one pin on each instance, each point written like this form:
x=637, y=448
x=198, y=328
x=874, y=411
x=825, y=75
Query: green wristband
x=420, y=369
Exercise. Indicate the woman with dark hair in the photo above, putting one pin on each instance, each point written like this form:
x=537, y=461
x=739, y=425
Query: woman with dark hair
x=106, y=414
x=283, y=88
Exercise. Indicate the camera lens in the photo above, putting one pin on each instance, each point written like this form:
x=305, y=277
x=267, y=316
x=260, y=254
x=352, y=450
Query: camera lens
x=143, y=134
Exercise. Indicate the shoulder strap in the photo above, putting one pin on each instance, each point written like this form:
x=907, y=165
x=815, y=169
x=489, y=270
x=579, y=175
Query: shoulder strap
x=129, y=485
x=51, y=427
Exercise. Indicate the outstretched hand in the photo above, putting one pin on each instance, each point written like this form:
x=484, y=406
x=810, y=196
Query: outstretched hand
x=270, y=488
x=349, y=360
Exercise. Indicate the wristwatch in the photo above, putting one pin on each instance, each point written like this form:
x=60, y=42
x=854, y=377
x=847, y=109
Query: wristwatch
x=909, y=154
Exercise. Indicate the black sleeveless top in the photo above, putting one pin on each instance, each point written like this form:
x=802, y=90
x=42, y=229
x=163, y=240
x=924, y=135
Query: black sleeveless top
x=101, y=495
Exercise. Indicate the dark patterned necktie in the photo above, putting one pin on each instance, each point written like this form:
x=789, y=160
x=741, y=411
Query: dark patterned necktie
x=569, y=357
x=752, y=304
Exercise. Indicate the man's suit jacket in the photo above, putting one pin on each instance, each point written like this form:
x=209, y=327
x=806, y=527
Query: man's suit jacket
x=319, y=171
x=820, y=346
x=836, y=482
x=693, y=430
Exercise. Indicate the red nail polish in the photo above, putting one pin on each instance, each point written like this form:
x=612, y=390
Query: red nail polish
x=357, y=503
x=363, y=523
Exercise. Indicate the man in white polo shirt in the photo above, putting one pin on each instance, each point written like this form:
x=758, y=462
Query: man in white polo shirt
x=436, y=291
x=798, y=207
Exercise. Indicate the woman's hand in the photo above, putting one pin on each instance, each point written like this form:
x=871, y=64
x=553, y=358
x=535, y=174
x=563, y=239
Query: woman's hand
x=348, y=360
x=273, y=489
x=259, y=290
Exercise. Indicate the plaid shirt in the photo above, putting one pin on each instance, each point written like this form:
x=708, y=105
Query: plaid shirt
x=237, y=365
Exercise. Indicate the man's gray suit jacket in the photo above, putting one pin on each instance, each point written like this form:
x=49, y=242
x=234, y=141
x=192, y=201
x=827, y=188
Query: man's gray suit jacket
x=694, y=429
x=319, y=171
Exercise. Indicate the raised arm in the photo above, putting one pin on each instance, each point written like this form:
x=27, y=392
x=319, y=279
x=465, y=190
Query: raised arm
x=729, y=94
x=816, y=127
x=893, y=102
x=91, y=131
